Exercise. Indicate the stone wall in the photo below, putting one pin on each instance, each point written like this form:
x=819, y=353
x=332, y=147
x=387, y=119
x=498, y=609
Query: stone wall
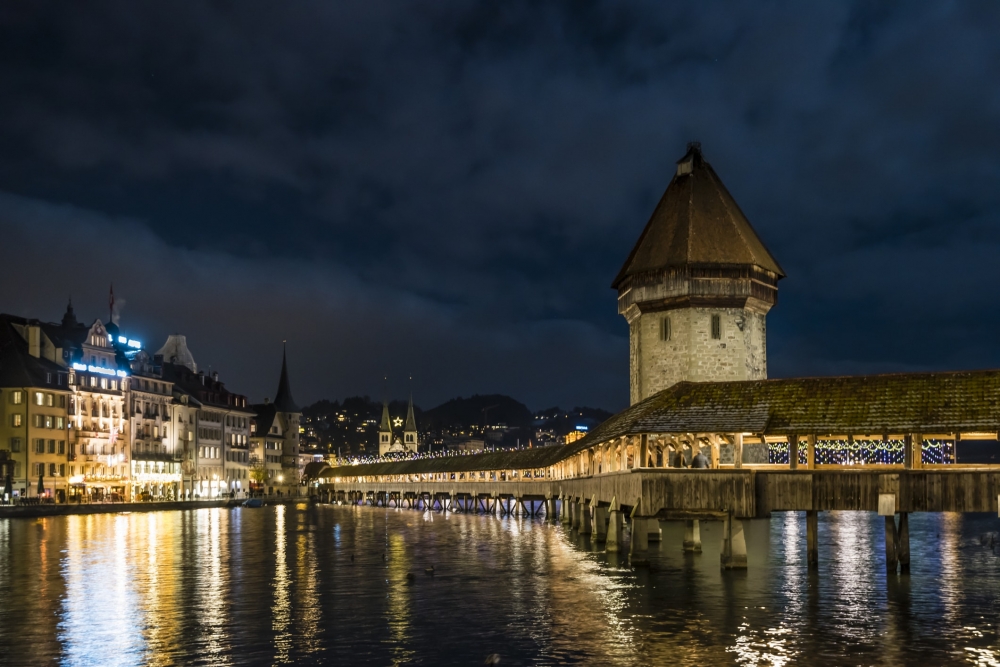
x=691, y=353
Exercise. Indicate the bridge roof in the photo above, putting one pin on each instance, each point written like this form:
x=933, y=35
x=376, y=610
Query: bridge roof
x=943, y=402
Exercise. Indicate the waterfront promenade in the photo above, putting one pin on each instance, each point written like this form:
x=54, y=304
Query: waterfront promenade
x=66, y=509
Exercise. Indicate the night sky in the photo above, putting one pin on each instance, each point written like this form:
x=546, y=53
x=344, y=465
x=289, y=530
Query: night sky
x=446, y=189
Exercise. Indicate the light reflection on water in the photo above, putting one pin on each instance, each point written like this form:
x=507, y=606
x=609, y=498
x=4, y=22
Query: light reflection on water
x=279, y=586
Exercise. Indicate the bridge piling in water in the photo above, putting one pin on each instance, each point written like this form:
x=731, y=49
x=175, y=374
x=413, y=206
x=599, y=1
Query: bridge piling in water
x=903, y=543
x=600, y=523
x=639, y=541
x=585, y=522
x=613, y=540
x=891, y=557
x=812, y=538
x=734, y=545
x=692, y=536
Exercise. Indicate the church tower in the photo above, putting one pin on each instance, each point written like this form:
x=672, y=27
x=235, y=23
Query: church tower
x=289, y=414
x=696, y=287
x=385, y=431
x=410, y=429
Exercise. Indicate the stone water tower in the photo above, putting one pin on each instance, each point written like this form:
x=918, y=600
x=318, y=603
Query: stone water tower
x=696, y=287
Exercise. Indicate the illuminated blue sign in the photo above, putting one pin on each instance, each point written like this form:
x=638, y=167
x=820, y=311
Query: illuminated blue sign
x=582, y=428
x=99, y=369
x=130, y=342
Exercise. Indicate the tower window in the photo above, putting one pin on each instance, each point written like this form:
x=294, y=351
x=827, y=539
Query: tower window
x=664, y=328
x=716, y=327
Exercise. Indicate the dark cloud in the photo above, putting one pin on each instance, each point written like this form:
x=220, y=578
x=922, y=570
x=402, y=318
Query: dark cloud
x=446, y=189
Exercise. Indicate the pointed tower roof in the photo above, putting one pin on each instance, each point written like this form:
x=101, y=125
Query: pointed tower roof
x=697, y=222
x=386, y=425
x=283, y=400
x=411, y=421
x=69, y=320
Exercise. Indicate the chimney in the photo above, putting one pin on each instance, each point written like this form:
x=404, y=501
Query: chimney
x=34, y=340
x=201, y=377
x=215, y=376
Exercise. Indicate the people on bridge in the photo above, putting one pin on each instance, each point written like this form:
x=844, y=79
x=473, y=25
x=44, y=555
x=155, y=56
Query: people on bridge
x=699, y=460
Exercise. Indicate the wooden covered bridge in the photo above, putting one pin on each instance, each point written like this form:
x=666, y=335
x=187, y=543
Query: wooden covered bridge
x=886, y=443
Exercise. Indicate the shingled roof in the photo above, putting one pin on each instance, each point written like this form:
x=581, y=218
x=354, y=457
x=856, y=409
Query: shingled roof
x=929, y=403
x=897, y=403
x=696, y=223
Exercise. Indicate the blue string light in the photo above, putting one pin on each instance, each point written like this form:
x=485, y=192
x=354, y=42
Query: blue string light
x=863, y=451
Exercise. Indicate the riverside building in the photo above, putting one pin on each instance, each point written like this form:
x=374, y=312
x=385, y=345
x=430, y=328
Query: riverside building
x=212, y=425
x=156, y=458
x=34, y=424
x=98, y=450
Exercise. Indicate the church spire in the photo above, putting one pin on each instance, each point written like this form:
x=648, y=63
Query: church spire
x=283, y=400
x=69, y=320
x=411, y=422
x=386, y=426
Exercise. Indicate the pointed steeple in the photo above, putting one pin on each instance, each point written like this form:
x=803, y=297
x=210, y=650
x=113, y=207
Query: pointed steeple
x=696, y=223
x=69, y=320
x=411, y=422
x=283, y=400
x=386, y=425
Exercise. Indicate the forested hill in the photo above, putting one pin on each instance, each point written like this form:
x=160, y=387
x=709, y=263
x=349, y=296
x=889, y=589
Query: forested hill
x=488, y=410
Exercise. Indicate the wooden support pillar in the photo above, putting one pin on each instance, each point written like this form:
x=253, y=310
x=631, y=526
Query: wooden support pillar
x=917, y=453
x=811, y=452
x=600, y=523
x=550, y=508
x=793, y=452
x=643, y=457
x=812, y=538
x=566, y=516
x=738, y=450
x=903, y=543
x=575, y=504
x=891, y=555
x=692, y=536
x=733, y=555
x=715, y=451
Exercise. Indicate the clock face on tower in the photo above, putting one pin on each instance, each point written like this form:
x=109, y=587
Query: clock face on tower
x=397, y=422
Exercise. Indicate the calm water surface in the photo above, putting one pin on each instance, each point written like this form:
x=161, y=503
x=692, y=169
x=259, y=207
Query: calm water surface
x=279, y=586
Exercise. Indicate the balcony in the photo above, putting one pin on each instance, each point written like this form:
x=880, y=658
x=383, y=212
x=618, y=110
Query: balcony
x=156, y=456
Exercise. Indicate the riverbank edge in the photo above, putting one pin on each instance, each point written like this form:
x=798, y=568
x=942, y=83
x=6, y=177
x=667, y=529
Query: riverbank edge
x=38, y=511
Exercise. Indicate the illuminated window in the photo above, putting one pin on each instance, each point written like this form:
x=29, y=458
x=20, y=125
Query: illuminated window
x=16, y=397
x=39, y=398
x=15, y=420
x=716, y=327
